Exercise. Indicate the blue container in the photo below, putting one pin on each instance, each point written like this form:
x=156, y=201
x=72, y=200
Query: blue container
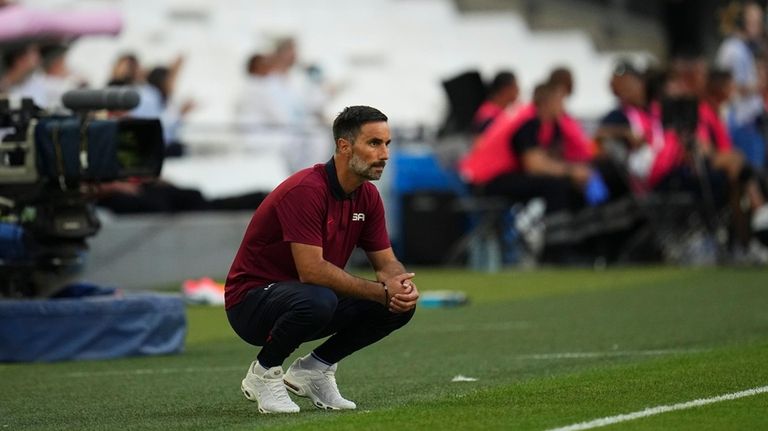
x=13, y=242
x=442, y=299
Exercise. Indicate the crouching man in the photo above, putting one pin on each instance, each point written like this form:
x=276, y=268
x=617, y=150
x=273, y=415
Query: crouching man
x=287, y=284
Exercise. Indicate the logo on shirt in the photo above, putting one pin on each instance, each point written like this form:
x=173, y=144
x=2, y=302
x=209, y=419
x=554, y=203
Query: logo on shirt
x=358, y=216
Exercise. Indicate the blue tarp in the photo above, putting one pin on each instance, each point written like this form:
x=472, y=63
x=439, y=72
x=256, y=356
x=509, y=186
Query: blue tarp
x=91, y=328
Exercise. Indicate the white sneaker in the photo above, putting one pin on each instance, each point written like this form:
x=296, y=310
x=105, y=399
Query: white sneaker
x=320, y=386
x=760, y=224
x=267, y=389
x=760, y=218
x=529, y=223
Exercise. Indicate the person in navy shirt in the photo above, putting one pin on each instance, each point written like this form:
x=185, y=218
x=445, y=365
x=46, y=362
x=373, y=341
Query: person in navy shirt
x=287, y=284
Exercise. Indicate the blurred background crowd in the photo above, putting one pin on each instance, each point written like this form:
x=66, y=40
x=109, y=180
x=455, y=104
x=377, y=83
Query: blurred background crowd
x=562, y=131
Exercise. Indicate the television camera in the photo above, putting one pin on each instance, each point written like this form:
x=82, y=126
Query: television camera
x=51, y=167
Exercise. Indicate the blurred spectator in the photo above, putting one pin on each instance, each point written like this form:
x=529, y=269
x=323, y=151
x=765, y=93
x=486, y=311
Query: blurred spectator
x=284, y=56
x=672, y=138
x=280, y=107
x=163, y=79
x=708, y=93
x=19, y=79
x=57, y=78
x=127, y=197
x=39, y=73
x=304, y=87
x=542, y=170
x=577, y=142
x=490, y=157
x=736, y=55
x=634, y=133
x=258, y=104
x=127, y=71
x=687, y=77
x=714, y=142
x=156, y=96
x=711, y=133
x=502, y=94
x=525, y=157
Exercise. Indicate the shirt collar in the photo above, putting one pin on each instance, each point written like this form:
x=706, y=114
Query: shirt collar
x=333, y=180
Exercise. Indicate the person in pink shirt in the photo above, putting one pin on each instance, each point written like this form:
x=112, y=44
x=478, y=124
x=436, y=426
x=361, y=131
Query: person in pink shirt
x=523, y=155
x=580, y=147
x=664, y=123
x=502, y=94
x=715, y=143
x=634, y=131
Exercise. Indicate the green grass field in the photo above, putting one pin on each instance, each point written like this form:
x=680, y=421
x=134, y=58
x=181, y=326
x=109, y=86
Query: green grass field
x=548, y=348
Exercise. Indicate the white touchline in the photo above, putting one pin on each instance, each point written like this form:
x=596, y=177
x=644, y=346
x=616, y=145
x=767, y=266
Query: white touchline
x=651, y=411
x=610, y=353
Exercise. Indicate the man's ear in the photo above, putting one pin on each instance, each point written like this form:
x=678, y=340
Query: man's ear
x=345, y=147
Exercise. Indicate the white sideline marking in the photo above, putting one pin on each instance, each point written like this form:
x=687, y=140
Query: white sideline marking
x=651, y=411
x=146, y=371
x=612, y=353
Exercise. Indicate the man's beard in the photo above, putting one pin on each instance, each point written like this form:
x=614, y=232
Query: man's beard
x=358, y=166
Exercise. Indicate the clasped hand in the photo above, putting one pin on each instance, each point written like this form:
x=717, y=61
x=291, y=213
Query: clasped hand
x=403, y=293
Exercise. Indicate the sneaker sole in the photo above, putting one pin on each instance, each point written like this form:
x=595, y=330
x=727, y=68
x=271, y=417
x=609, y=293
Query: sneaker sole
x=250, y=396
x=302, y=392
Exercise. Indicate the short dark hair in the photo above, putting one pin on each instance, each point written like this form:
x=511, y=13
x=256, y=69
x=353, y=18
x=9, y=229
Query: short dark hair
x=253, y=62
x=51, y=53
x=562, y=76
x=349, y=121
x=13, y=53
x=502, y=80
x=718, y=77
